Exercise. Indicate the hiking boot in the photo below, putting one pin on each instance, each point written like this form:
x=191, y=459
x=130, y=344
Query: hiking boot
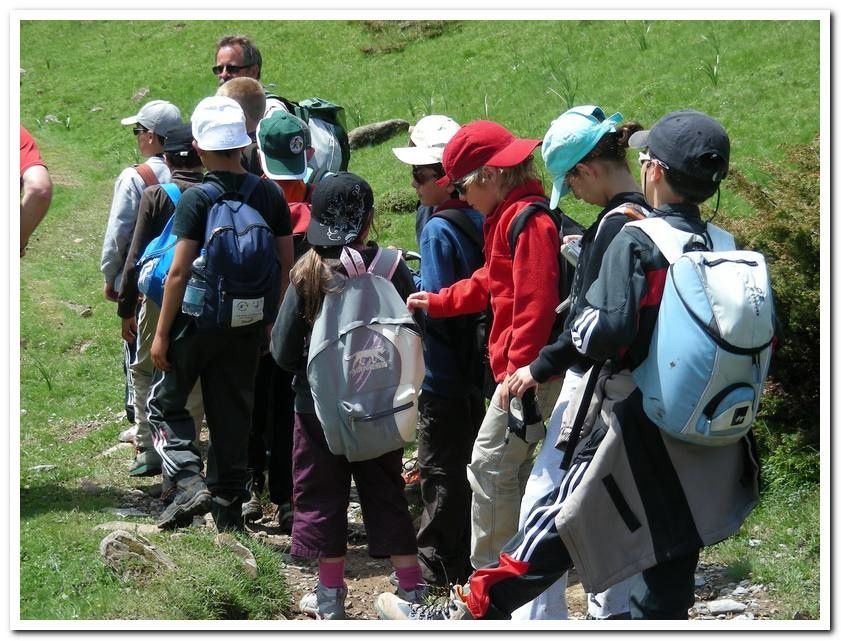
x=411, y=479
x=192, y=498
x=252, y=509
x=392, y=607
x=147, y=462
x=285, y=517
x=227, y=514
x=325, y=603
x=128, y=435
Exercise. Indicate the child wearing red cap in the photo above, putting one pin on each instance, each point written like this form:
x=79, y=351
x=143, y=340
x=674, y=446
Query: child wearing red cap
x=492, y=171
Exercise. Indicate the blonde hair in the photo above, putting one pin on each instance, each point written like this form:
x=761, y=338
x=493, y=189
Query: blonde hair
x=509, y=177
x=248, y=93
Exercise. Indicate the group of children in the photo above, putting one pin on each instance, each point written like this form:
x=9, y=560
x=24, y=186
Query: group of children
x=501, y=524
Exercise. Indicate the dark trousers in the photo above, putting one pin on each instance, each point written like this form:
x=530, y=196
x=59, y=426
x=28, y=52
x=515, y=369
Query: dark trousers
x=226, y=363
x=666, y=591
x=447, y=428
x=322, y=493
x=270, y=438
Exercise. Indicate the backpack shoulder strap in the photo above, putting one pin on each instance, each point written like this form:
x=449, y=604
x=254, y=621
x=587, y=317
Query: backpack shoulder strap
x=172, y=191
x=147, y=174
x=632, y=211
x=669, y=240
x=462, y=222
x=385, y=263
x=518, y=224
x=353, y=263
x=721, y=239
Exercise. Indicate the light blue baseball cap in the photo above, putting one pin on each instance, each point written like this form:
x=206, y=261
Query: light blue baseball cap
x=571, y=136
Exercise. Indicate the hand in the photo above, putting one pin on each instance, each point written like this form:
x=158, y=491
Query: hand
x=129, y=330
x=160, y=346
x=418, y=300
x=520, y=381
x=109, y=292
x=570, y=238
x=504, y=396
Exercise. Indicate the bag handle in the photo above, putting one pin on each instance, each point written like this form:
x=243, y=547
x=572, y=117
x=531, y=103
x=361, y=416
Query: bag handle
x=580, y=415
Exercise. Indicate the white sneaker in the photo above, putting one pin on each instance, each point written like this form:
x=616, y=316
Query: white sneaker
x=325, y=603
x=392, y=607
x=129, y=434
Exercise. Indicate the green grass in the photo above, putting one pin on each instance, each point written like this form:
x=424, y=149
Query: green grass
x=77, y=81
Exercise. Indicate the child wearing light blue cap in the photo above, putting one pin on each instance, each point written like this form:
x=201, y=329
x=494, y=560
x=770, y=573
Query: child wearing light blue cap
x=585, y=152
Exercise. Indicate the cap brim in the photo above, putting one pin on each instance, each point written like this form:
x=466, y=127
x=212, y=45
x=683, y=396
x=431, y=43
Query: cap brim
x=515, y=153
x=131, y=120
x=443, y=181
x=320, y=235
x=639, y=140
x=419, y=155
x=557, y=194
x=277, y=170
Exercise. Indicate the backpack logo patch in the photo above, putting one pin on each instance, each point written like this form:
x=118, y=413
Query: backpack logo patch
x=367, y=360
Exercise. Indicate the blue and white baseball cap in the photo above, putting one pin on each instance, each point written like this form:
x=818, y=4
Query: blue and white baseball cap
x=571, y=136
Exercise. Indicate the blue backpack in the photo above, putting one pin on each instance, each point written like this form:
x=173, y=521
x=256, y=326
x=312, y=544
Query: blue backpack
x=153, y=266
x=711, y=348
x=242, y=271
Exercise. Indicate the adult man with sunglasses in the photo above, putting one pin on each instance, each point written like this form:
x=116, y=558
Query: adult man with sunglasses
x=238, y=57
x=155, y=120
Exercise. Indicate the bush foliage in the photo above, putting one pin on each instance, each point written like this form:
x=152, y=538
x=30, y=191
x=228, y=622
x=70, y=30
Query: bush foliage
x=786, y=229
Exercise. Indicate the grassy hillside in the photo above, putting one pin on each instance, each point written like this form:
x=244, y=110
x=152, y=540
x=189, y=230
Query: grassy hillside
x=78, y=78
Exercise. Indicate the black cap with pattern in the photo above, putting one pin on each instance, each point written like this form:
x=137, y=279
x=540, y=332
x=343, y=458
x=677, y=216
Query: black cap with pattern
x=340, y=204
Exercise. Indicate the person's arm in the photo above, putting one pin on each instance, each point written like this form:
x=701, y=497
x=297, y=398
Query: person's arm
x=467, y=296
x=607, y=325
x=289, y=332
x=35, y=201
x=121, y=219
x=144, y=232
x=535, y=274
x=186, y=251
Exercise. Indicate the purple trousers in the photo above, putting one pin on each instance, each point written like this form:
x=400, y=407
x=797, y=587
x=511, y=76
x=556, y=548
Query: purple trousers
x=321, y=491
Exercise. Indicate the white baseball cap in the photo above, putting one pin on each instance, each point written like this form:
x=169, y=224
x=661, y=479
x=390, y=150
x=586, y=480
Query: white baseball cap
x=219, y=124
x=430, y=135
x=159, y=116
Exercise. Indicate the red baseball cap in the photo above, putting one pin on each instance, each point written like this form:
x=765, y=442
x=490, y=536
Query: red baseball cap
x=481, y=143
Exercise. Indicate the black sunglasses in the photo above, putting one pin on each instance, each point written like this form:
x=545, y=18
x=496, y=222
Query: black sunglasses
x=140, y=130
x=218, y=69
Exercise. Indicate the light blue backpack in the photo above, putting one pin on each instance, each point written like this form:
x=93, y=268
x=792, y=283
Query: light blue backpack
x=365, y=365
x=708, y=360
x=153, y=265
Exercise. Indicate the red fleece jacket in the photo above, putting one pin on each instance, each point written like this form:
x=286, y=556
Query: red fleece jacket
x=523, y=291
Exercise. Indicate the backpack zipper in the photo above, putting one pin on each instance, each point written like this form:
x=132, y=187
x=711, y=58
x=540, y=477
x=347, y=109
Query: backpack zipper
x=374, y=417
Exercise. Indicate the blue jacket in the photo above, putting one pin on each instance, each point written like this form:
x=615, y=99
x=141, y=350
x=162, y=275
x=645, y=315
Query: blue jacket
x=447, y=256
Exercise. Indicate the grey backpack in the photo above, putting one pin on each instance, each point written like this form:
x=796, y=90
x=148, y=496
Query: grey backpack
x=365, y=365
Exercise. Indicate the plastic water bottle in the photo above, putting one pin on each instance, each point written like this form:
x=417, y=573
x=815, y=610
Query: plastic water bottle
x=194, y=294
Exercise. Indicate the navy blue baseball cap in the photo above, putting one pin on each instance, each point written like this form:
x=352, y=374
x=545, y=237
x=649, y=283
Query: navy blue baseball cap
x=693, y=146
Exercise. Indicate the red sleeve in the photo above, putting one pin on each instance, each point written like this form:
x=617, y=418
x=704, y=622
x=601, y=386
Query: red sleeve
x=29, y=154
x=467, y=296
x=536, y=275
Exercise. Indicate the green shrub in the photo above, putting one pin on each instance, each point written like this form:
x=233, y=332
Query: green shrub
x=785, y=227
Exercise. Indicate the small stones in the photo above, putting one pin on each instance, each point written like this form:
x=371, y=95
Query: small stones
x=87, y=312
x=125, y=511
x=128, y=526
x=42, y=468
x=725, y=606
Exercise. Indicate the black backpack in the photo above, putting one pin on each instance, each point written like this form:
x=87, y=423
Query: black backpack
x=566, y=226
x=473, y=353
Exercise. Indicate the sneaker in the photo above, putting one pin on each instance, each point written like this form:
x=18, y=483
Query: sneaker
x=146, y=463
x=285, y=517
x=128, y=435
x=192, y=498
x=392, y=607
x=325, y=603
x=411, y=479
x=252, y=509
x=228, y=515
